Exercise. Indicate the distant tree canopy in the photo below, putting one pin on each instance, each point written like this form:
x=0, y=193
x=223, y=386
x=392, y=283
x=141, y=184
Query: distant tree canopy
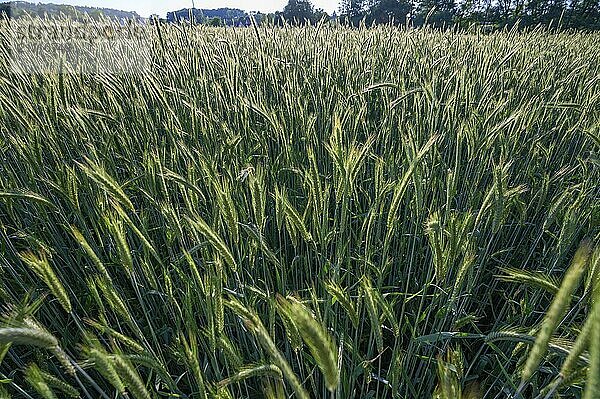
x=437, y=13
x=389, y=11
x=353, y=8
x=580, y=14
x=492, y=14
x=16, y=9
x=215, y=21
x=227, y=16
x=302, y=11
x=5, y=10
x=298, y=11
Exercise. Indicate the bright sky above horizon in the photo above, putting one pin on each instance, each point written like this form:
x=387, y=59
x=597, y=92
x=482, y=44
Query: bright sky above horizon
x=147, y=7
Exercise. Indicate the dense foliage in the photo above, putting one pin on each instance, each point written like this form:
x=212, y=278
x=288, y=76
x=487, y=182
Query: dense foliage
x=567, y=14
x=17, y=9
x=317, y=211
x=491, y=15
x=229, y=16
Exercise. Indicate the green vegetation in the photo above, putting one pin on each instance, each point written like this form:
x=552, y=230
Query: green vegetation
x=19, y=9
x=228, y=16
x=491, y=15
x=566, y=14
x=314, y=212
x=577, y=14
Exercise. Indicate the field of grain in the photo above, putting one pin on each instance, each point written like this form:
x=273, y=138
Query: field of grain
x=315, y=212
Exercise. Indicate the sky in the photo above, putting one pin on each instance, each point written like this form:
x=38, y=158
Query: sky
x=147, y=7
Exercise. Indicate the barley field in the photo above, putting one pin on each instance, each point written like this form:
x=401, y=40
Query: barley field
x=315, y=212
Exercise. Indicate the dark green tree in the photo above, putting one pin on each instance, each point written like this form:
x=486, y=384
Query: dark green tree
x=585, y=14
x=299, y=11
x=215, y=21
x=389, y=11
x=353, y=10
x=320, y=14
x=437, y=13
x=543, y=12
x=275, y=18
x=555, y=12
x=5, y=10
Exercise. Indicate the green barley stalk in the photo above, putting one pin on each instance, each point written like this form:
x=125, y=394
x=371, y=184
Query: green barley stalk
x=192, y=358
x=203, y=228
x=338, y=294
x=258, y=371
x=592, y=387
x=89, y=251
x=28, y=336
x=557, y=310
x=151, y=363
x=130, y=377
x=99, y=175
x=255, y=325
x=118, y=232
x=370, y=303
x=34, y=377
x=26, y=196
x=59, y=385
x=316, y=337
x=41, y=267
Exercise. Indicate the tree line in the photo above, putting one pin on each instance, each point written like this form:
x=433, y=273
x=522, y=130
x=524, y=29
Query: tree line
x=491, y=14
x=18, y=9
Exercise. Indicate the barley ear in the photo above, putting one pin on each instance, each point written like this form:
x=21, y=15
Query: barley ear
x=255, y=325
x=34, y=377
x=579, y=346
x=106, y=182
x=130, y=377
x=592, y=387
x=38, y=337
x=217, y=242
x=118, y=232
x=266, y=370
x=316, y=337
x=60, y=385
x=64, y=360
x=557, y=310
x=89, y=251
x=291, y=330
x=41, y=267
x=370, y=303
x=338, y=294
x=28, y=336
